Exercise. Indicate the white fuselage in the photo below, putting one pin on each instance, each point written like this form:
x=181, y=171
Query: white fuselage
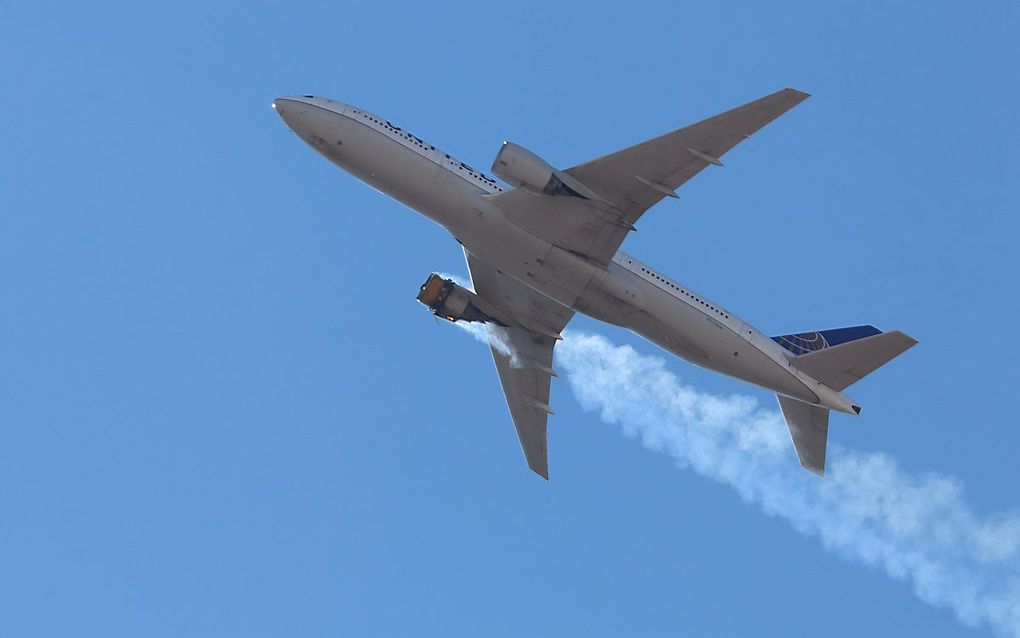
x=626, y=293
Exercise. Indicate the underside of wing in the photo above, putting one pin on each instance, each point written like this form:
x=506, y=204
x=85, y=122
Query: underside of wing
x=523, y=357
x=526, y=388
x=630, y=181
x=635, y=178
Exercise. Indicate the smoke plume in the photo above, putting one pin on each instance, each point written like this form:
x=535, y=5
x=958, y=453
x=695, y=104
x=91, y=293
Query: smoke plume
x=915, y=527
x=491, y=335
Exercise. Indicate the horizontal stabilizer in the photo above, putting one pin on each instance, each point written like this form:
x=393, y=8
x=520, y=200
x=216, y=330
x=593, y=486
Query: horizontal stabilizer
x=841, y=366
x=809, y=429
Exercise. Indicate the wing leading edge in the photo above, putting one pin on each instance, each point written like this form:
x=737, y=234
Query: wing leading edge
x=524, y=360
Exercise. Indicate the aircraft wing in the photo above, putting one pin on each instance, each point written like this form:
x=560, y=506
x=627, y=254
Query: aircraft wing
x=526, y=373
x=633, y=180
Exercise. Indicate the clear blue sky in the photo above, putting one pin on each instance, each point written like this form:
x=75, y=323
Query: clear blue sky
x=223, y=413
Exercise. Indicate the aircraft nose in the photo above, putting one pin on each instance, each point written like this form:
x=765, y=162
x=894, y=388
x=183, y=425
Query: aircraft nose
x=313, y=121
x=290, y=108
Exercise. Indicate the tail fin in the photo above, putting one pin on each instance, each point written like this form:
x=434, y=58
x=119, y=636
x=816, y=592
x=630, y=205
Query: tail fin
x=838, y=358
x=809, y=429
x=840, y=366
x=806, y=342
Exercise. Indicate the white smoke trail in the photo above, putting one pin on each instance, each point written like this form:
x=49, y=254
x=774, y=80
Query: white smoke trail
x=916, y=527
x=491, y=335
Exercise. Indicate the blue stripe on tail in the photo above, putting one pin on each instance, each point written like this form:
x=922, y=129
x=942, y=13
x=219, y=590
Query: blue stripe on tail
x=805, y=342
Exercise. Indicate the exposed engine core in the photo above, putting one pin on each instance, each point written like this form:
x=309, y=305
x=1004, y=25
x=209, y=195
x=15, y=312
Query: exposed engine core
x=523, y=169
x=452, y=302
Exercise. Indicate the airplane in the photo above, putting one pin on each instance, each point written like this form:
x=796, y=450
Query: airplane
x=546, y=244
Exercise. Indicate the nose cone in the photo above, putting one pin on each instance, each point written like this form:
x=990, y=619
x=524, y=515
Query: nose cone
x=301, y=116
x=318, y=121
x=290, y=109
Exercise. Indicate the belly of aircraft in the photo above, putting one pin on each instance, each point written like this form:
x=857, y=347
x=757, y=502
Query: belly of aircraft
x=397, y=171
x=663, y=319
x=699, y=338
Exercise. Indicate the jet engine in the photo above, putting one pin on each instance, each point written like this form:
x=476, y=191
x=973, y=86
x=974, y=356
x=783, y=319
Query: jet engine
x=525, y=170
x=452, y=302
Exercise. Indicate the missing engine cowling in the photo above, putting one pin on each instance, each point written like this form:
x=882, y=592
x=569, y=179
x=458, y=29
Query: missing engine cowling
x=452, y=302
